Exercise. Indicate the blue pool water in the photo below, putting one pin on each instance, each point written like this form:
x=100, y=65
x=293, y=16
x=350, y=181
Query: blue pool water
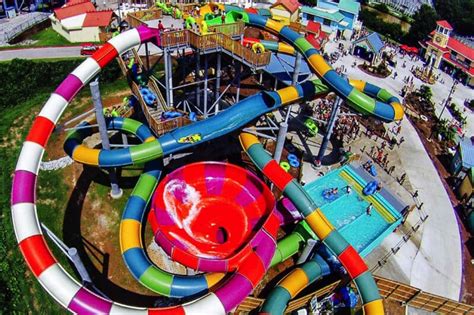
x=348, y=214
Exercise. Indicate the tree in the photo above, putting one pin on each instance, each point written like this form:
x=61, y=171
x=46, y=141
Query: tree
x=424, y=21
x=459, y=13
x=382, y=7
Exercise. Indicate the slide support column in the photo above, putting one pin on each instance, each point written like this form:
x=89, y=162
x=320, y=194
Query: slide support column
x=296, y=70
x=167, y=88
x=196, y=78
x=331, y=123
x=205, y=85
x=218, y=81
x=115, y=192
x=238, y=72
x=282, y=136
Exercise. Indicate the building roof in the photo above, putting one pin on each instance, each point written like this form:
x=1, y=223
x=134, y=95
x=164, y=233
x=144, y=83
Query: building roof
x=445, y=24
x=98, y=18
x=447, y=57
x=461, y=48
x=466, y=148
x=291, y=5
x=70, y=10
x=350, y=6
x=333, y=16
x=73, y=2
x=313, y=27
x=374, y=40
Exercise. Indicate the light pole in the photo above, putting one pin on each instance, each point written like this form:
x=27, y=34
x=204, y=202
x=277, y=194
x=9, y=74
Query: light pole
x=448, y=100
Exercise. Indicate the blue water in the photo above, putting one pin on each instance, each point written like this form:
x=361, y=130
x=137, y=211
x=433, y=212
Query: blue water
x=348, y=212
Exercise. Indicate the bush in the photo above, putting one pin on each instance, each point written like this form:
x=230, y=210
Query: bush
x=371, y=21
x=382, y=7
x=21, y=79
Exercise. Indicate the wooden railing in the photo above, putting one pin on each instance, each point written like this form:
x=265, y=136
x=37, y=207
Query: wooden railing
x=186, y=7
x=214, y=41
x=408, y=295
x=175, y=38
x=152, y=84
x=104, y=36
x=389, y=289
x=138, y=18
x=298, y=27
x=230, y=29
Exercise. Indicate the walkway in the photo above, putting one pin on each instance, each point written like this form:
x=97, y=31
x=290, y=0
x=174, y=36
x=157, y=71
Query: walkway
x=433, y=260
x=9, y=28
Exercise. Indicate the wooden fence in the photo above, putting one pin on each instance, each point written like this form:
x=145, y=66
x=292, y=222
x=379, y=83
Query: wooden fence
x=214, y=41
x=230, y=29
x=138, y=18
x=389, y=289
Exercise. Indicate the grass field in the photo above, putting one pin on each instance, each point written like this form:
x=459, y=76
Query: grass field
x=48, y=37
x=21, y=293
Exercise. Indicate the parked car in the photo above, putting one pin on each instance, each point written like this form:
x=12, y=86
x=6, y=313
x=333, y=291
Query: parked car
x=88, y=49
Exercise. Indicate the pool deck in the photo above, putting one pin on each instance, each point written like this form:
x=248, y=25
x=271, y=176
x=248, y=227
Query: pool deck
x=431, y=259
x=437, y=265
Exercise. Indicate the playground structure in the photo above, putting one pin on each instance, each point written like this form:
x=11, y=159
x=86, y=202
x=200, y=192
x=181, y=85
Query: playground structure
x=186, y=206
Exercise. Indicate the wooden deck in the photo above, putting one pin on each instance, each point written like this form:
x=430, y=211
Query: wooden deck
x=389, y=289
x=153, y=115
x=221, y=40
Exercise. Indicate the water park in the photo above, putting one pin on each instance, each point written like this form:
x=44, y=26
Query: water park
x=246, y=169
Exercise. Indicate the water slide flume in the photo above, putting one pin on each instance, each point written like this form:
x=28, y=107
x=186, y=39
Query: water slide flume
x=347, y=255
x=65, y=289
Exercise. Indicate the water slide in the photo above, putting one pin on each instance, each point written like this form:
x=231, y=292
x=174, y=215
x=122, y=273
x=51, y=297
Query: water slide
x=358, y=94
x=299, y=278
x=65, y=289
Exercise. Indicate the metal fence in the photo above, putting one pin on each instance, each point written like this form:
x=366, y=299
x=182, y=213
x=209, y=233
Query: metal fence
x=8, y=33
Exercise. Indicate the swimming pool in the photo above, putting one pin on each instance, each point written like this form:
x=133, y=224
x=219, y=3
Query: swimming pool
x=347, y=212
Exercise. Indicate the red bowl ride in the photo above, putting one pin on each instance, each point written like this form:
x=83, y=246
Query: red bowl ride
x=207, y=214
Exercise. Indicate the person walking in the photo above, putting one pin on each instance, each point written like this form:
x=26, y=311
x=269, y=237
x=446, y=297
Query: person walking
x=402, y=178
x=391, y=169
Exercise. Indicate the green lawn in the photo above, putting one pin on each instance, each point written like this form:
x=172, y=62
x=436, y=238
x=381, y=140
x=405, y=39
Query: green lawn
x=48, y=37
x=20, y=292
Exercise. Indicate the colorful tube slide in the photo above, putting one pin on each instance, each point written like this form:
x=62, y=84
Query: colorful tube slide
x=79, y=299
x=347, y=255
x=292, y=284
x=59, y=284
x=387, y=107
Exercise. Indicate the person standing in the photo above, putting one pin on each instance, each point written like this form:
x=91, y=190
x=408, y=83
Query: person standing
x=368, y=210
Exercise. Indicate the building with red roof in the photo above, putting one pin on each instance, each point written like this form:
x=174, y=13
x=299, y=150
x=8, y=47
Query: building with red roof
x=79, y=21
x=285, y=11
x=449, y=53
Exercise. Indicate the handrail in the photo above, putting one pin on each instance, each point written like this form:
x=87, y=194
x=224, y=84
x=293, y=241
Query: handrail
x=229, y=29
x=152, y=82
x=214, y=41
x=8, y=33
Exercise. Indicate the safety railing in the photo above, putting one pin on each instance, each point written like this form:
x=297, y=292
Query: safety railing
x=8, y=33
x=152, y=84
x=138, y=18
x=175, y=38
x=230, y=29
x=298, y=27
x=214, y=41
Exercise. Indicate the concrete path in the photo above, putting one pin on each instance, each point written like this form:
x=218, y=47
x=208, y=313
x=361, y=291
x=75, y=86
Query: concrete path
x=437, y=266
x=41, y=53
